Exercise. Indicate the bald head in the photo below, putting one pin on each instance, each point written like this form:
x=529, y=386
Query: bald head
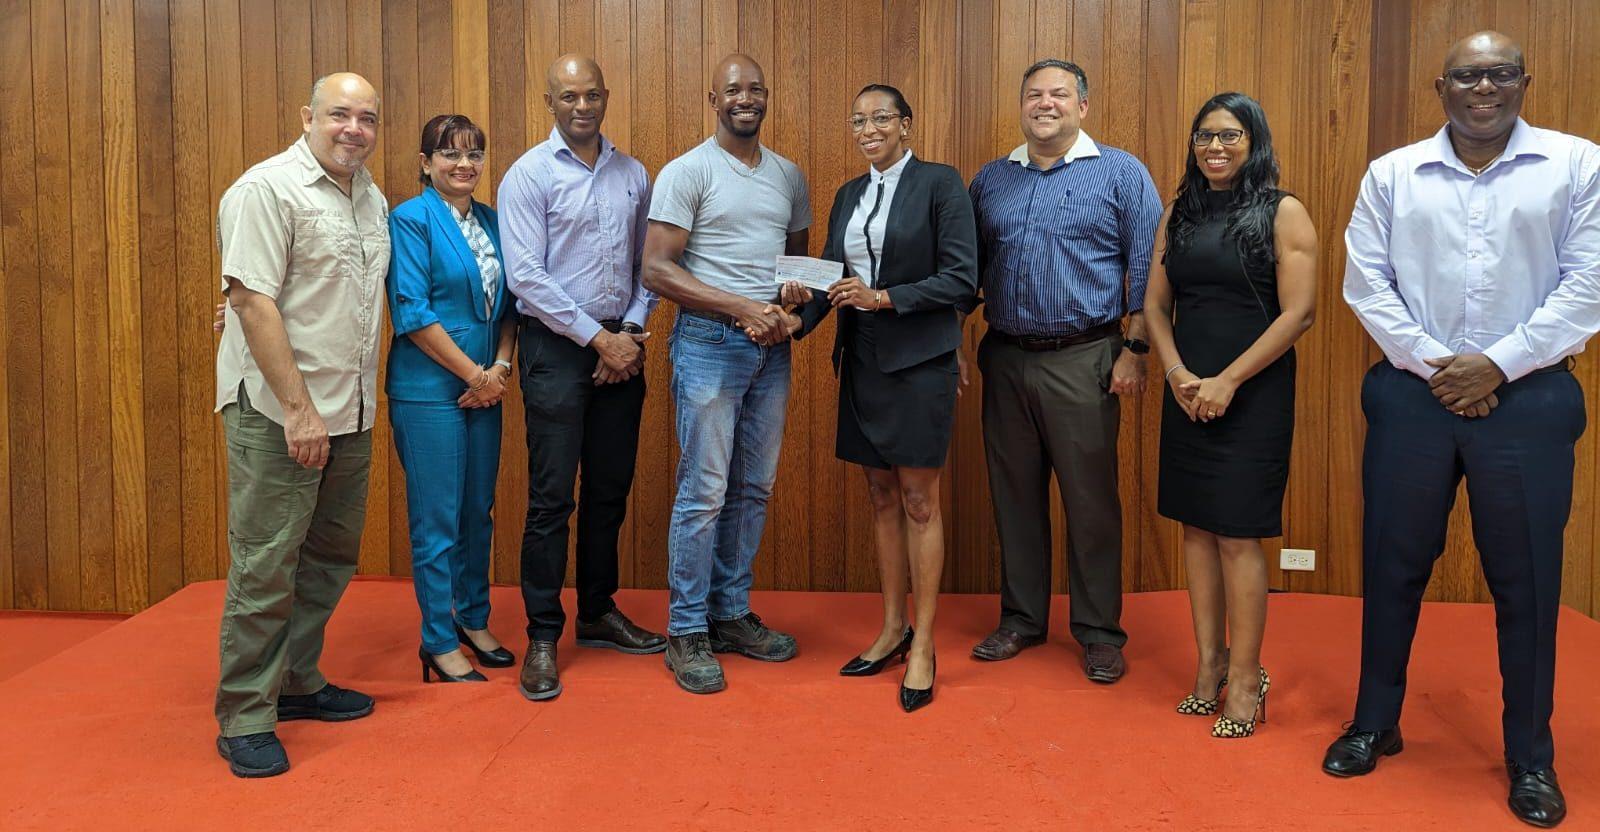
x=341, y=123
x=576, y=94
x=573, y=68
x=346, y=84
x=1478, y=46
x=739, y=96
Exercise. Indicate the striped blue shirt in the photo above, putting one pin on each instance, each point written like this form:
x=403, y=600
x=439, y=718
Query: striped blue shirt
x=1054, y=246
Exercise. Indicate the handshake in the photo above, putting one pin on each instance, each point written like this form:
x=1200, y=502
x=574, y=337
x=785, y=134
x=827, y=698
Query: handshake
x=767, y=323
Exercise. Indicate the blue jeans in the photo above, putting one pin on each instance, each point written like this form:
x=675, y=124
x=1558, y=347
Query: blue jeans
x=451, y=457
x=730, y=395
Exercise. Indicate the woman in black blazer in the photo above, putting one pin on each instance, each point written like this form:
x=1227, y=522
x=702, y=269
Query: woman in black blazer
x=906, y=235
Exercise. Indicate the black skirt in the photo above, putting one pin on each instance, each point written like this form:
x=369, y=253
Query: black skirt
x=898, y=419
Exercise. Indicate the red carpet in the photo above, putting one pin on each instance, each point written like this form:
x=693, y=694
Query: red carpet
x=117, y=733
x=27, y=638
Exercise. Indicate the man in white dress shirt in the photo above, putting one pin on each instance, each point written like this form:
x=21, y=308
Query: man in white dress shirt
x=1474, y=262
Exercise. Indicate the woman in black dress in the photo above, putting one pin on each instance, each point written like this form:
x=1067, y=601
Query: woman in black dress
x=905, y=232
x=1235, y=288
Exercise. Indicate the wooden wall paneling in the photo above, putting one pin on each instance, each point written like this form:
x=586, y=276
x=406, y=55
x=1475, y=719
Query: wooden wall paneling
x=614, y=50
x=196, y=292
x=53, y=197
x=403, y=118
x=330, y=38
x=1581, y=570
x=1340, y=551
x=507, y=141
x=651, y=143
x=293, y=29
x=91, y=327
x=1241, y=49
x=157, y=311
x=7, y=556
x=19, y=227
x=976, y=563
x=863, y=62
x=436, y=68
x=1165, y=148
x=1052, y=28
x=258, y=68
x=542, y=39
x=123, y=278
x=578, y=27
x=830, y=157
x=719, y=32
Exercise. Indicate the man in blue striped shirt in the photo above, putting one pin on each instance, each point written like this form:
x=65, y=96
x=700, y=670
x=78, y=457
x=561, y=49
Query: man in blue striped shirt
x=1065, y=230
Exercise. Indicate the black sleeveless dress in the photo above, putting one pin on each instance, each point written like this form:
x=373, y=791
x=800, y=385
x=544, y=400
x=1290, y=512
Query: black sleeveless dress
x=1226, y=476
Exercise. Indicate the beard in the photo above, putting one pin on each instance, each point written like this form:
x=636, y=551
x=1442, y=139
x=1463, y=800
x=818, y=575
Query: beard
x=741, y=129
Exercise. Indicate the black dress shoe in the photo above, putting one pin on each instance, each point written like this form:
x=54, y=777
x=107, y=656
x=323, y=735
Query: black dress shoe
x=540, y=679
x=1357, y=752
x=862, y=667
x=498, y=657
x=1535, y=796
x=429, y=663
x=615, y=631
x=912, y=698
x=254, y=755
x=331, y=704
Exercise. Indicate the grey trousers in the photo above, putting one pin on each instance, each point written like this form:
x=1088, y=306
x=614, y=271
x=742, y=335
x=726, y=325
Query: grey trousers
x=1044, y=412
x=294, y=534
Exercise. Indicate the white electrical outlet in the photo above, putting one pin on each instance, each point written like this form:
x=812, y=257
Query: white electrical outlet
x=1299, y=560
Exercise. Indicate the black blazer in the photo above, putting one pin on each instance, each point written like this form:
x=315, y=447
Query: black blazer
x=929, y=268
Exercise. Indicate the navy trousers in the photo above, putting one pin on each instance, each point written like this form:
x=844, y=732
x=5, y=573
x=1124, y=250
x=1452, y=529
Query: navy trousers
x=1518, y=464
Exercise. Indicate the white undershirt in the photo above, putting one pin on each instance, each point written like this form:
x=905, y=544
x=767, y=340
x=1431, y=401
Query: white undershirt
x=855, y=231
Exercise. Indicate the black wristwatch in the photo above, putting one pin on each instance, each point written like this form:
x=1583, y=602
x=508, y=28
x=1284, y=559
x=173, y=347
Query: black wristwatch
x=1135, y=346
x=635, y=329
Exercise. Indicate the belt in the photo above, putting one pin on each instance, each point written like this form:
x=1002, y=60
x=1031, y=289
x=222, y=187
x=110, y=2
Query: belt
x=609, y=325
x=1564, y=366
x=718, y=317
x=1048, y=343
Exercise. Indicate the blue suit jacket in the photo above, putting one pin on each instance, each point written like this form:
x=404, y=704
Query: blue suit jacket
x=433, y=278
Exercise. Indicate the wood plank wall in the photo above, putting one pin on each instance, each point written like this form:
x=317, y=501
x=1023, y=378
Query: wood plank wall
x=122, y=121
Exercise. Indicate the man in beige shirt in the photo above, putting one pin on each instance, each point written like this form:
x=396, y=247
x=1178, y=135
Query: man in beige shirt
x=305, y=247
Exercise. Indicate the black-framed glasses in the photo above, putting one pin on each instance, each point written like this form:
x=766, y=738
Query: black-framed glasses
x=1229, y=137
x=1467, y=77
x=882, y=119
x=454, y=155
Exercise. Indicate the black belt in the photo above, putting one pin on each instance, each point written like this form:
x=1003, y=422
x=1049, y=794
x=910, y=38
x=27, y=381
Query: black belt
x=718, y=317
x=609, y=324
x=1048, y=343
x=1564, y=366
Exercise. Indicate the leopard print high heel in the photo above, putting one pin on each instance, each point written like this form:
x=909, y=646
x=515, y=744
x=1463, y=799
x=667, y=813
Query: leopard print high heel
x=1195, y=706
x=1228, y=728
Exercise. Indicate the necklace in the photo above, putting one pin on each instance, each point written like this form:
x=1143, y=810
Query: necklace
x=1478, y=171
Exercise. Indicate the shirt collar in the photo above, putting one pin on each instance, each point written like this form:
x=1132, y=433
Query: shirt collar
x=606, y=147
x=1083, y=148
x=1523, y=142
x=314, y=169
x=892, y=175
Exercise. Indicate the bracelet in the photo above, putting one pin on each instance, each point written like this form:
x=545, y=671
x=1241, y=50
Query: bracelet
x=877, y=299
x=1175, y=368
x=501, y=362
x=481, y=381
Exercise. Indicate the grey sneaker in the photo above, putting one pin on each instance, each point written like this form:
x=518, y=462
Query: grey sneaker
x=748, y=636
x=692, y=665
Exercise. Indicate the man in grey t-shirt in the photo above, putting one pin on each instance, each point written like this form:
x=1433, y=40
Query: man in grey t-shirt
x=720, y=216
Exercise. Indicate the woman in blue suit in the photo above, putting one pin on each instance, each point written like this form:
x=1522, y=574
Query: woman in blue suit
x=448, y=366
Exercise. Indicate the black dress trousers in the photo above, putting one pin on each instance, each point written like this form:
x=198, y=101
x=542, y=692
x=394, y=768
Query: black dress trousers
x=1518, y=464
x=571, y=423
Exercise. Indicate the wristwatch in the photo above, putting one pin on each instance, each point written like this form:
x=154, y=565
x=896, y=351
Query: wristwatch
x=1136, y=346
x=632, y=328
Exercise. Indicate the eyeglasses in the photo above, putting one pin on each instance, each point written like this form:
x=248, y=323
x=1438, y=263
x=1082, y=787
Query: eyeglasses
x=881, y=120
x=455, y=155
x=1467, y=77
x=1230, y=137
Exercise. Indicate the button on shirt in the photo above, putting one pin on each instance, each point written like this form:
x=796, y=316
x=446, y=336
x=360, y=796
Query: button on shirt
x=574, y=237
x=1506, y=263
x=1055, y=245
x=858, y=233
x=289, y=232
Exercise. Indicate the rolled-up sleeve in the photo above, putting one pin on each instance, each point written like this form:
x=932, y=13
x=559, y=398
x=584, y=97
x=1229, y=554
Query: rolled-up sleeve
x=410, y=281
x=1369, y=282
x=254, y=234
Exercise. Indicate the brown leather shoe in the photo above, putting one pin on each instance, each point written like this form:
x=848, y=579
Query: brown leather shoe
x=1103, y=663
x=615, y=631
x=539, y=679
x=1004, y=644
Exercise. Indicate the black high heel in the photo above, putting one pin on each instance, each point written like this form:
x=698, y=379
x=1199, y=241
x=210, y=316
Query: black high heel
x=912, y=698
x=430, y=663
x=861, y=667
x=498, y=657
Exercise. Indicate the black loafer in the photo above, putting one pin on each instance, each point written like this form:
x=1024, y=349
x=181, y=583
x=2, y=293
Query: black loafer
x=1357, y=752
x=254, y=755
x=331, y=704
x=1536, y=798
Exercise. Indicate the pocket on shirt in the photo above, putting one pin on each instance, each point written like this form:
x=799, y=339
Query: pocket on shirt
x=1082, y=219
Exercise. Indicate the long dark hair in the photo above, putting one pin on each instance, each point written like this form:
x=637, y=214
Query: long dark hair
x=1254, y=204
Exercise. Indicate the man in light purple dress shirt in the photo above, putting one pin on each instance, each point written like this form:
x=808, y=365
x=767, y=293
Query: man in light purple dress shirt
x=572, y=221
x=1474, y=262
